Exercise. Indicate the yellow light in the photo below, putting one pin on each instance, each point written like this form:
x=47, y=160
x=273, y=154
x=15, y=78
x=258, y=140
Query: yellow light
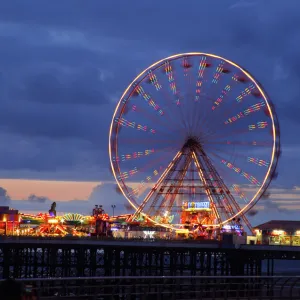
x=52, y=221
x=276, y=231
x=156, y=64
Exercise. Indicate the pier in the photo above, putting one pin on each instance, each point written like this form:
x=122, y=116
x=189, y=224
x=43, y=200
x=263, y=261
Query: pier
x=44, y=258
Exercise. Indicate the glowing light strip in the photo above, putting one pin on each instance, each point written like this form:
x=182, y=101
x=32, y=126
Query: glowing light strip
x=142, y=184
x=239, y=192
x=186, y=66
x=126, y=123
x=156, y=65
x=161, y=178
x=220, y=99
x=140, y=90
x=249, y=177
x=134, y=155
x=202, y=66
x=154, y=81
x=169, y=73
x=257, y=161
x=259, y=125
x=246, y=92
x=126, y=175
x=218, y=72
x=253, y=108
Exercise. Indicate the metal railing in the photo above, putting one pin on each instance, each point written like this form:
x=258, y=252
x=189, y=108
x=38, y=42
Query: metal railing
x=167, y=287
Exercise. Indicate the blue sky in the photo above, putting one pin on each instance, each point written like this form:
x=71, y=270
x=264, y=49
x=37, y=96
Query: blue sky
x=64, y=65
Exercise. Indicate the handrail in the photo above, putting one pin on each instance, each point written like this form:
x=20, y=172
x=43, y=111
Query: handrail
x=153, y=277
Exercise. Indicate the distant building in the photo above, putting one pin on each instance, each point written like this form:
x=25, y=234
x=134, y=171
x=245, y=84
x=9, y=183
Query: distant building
x=9, y=220
x=279, y=232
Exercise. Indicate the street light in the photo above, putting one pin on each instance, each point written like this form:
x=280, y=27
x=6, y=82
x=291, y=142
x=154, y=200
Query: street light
x=113, y=206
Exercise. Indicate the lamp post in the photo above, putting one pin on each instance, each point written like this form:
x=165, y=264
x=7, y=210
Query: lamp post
x=113, y=206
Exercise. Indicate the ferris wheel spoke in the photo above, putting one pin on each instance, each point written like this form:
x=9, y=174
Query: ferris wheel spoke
x=231, y=205
x=164, y=122
x=122, y=122
x=210, y=137
x=154, y=173
x=131, y=124
x=236, y=187
x=153, y=190
x=139, y=154
x=175, y=90
x=191, y=81
x=162, y=116
x=225, y=92
x=187, y=81
x=162, y=141
x=227, y=131
x=240, y=116
x=239, y=171
x=203, y=65
x=250, y=90
x=243, y=143
x=219, y=72
x=252, y=160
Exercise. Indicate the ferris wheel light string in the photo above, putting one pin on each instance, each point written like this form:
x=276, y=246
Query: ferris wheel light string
x=214, y=136
x=174, y=89
x=253, y=108
x=138, y=154
x=161, y=178
x=188, y=83
x=244, y=93
x=256, y=161
x=230, y=178
x=216, y=76
x=163, y=122
x=248, y=75
x=148, y=97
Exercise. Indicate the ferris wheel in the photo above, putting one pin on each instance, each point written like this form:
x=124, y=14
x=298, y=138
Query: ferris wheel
x=194, y=137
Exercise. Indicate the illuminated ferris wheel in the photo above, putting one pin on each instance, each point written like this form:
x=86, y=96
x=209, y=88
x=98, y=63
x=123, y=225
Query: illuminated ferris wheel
x=194, y=138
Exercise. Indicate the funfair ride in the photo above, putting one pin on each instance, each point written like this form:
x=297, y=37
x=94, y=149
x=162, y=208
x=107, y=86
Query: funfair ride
x=194, y=141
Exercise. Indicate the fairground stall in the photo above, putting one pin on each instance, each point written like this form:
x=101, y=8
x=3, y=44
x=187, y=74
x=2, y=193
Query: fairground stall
x=279, y=232
x=9, y=221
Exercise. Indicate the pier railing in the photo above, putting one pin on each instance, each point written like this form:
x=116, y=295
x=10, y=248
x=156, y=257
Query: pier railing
x=167, y=287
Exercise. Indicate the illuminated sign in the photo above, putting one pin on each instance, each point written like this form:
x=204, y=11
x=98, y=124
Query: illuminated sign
x=198, y=205
x=149, y=234
x=232, y=227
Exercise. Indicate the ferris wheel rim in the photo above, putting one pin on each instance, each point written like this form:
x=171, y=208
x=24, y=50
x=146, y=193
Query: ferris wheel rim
x=272, y=114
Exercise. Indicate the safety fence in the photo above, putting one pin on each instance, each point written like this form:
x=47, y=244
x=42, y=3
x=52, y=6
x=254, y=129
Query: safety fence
x=166, y=287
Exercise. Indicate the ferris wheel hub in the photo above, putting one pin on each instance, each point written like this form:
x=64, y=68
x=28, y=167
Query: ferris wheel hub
x=192, y=143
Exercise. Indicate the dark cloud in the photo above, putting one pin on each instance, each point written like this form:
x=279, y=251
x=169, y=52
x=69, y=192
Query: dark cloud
x=271, y=206
x=4, y=197
x=63, y=66
x=47, y=88
x=37, y=199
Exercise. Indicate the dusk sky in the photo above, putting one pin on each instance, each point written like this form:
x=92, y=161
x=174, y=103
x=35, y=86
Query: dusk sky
x=64, y=65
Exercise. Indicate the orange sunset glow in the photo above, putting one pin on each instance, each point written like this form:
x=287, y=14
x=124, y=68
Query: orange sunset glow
x=55, y=190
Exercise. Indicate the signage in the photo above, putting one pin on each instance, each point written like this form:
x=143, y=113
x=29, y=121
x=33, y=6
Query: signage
x=198, y=205
x=232, y=227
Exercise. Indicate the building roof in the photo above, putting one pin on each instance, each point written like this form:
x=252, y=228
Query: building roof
x=279, y=224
